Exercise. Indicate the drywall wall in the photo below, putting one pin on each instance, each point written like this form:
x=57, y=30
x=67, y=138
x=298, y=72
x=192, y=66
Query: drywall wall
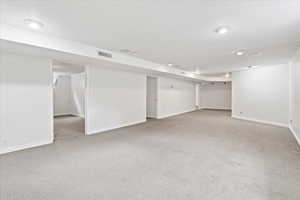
x=69, y=94
x=295, y=96
x=175, y=96
x=61, y=94
x=76, y=50
x=262, y=94
x=26, y=102
x=215, y=95
x=115, y=98
x=77, y=94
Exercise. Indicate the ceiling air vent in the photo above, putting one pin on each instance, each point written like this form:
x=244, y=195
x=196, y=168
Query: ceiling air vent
x=104, y=54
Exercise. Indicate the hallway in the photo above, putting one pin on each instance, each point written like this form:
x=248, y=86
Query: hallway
x=66, y=127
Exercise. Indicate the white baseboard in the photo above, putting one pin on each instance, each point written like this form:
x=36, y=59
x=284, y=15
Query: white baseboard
x=77, y=115
x=294, y=134
x=70, y=114
x=24, y=146
x=115, y=127
x=174, y=114
x=261, y=121
x=62, y=114
x=211, y=108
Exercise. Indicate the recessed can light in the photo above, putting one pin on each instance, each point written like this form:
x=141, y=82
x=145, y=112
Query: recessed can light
x=222, y=30
x=33, y=24
x=170, y=65
x=227, y=75
x=240, y=53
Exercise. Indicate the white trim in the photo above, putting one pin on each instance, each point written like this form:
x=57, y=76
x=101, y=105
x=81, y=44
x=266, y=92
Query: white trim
x=77, y=115
x=294, y=134
x=261, y=121
x=115, y=127
x=290, y=92
x=69, y=114
x=24, y=146
x=62, y=114
x=86, y=95
x=174, y=114
x=212, y=108
x=52, y=101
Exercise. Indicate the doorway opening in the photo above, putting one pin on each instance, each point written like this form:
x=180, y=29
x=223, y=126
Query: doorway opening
x=69, y=107
x=152, y=97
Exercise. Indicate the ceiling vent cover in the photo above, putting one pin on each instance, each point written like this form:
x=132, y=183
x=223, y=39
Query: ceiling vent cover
x=104, y=54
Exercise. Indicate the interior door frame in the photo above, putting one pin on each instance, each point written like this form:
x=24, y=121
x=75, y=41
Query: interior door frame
x=156, y=96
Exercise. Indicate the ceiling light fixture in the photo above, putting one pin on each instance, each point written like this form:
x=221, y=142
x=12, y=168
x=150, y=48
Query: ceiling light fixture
x=227, y=75
x=222, y=30
x=170, y=65
x=240, y=53
x=33, y=24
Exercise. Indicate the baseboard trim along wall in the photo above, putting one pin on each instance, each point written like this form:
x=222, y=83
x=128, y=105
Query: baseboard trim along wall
x=68, y=114
x=294, y=134
x=261, y=121
x=221, y=109
x=78, y=115
x=24, y=146
x=115, y=127
x=174, y=114
x=62, y=114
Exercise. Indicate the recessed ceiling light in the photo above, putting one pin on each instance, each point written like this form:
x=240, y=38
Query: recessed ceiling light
x=33, y=24
x=240, y=53
x=170, y=65
x=227, y=75
x=222, y=30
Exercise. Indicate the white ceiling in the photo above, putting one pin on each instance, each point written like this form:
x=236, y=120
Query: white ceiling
x=172, y=31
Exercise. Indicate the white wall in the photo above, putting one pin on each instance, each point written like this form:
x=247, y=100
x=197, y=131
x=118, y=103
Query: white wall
x=26, y=102
x=262, y=94
x=61, y=94
x=77, y=94
x=115, y=98
x=69, y=94
x=295, y=96
x=215, y=95
x=175, y=96
x=77, y=49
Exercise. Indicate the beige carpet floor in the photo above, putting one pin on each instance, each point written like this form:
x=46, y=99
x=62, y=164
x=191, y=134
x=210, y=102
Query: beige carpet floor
x=203, y=155
x=68, y=127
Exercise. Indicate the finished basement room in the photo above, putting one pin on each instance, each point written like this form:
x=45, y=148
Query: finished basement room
x=168, y=100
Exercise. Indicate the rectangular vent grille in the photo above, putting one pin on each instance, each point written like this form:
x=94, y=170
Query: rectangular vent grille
x=104, y=54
